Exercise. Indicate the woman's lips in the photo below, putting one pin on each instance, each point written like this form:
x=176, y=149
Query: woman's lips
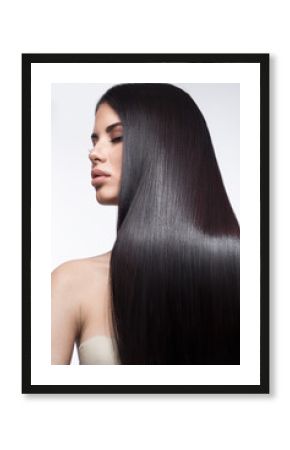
x=99, y=179
x=96, y=172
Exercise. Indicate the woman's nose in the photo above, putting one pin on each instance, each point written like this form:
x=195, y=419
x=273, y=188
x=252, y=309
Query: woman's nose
x=96, y=154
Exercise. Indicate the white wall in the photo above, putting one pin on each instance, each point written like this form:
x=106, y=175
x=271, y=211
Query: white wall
x=139, y=421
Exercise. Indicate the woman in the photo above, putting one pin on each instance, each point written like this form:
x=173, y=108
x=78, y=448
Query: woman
x=169, y=291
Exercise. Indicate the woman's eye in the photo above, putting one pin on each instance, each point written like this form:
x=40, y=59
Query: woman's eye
x=117, y=139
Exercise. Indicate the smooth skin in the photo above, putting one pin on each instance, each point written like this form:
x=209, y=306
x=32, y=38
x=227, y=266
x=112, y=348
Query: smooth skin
x=80, y=292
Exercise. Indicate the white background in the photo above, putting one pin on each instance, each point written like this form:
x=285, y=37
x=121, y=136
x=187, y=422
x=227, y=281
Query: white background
x=107, y=421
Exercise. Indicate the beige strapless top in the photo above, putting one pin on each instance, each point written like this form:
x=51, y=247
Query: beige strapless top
x=98, y=350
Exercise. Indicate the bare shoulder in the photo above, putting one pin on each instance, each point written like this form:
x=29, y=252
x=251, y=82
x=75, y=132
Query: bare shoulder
x=79, y=289
x=75, y=270
x=80, y=279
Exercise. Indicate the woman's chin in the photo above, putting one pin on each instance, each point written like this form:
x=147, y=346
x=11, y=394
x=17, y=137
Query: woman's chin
x=105, y=199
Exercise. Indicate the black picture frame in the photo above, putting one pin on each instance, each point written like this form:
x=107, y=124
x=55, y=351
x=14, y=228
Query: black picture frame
x=209, y=58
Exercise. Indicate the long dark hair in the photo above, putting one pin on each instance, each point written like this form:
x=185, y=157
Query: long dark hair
x=175, y=264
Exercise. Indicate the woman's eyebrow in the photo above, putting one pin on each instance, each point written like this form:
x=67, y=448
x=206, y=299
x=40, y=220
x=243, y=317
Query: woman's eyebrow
x=108, y=129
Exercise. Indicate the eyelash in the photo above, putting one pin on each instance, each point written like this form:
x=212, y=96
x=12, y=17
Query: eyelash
x=117, y=139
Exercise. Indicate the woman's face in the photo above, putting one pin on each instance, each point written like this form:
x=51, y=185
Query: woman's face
x=106, y=154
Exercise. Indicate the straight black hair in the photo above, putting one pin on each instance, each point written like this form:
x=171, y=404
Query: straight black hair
x=175, y=264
